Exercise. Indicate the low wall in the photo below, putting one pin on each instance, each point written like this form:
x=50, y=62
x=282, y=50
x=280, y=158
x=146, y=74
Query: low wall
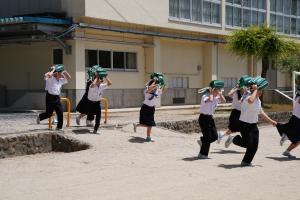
x=26, y=144
x=192, y=126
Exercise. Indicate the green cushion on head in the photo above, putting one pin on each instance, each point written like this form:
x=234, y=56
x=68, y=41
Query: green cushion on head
x=243, y=80
x=260, y=82
x=59, y=68
x=216, y=84
x=101, y=72
x=156, y=74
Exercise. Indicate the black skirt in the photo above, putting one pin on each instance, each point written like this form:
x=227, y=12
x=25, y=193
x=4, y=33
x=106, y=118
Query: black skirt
x=147, y=115
x=84, y=103
x=234, y=121
x=291, y=129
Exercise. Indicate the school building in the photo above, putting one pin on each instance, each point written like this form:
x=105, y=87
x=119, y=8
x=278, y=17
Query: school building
x=184, y=39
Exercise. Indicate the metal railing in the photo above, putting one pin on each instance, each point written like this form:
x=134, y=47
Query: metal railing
x=67, y=100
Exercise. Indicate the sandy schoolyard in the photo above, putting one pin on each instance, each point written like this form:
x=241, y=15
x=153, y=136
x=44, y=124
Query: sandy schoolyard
x=121, y=166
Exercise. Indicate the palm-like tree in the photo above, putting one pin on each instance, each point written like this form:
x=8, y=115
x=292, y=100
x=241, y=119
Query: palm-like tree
x=262, y=43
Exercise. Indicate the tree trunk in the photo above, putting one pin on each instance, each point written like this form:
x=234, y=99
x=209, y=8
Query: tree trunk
x=265, y=67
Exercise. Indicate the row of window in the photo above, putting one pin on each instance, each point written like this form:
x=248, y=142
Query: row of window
x=114, y=60
x=203, y=11
x=284, y=14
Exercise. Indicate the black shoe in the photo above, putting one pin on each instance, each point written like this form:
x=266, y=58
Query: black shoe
x=245, y=164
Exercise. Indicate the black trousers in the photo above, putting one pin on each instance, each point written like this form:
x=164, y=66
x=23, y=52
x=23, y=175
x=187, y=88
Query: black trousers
x=95, y=109
x=53, y=104
x=249, y=140
x=209, y=131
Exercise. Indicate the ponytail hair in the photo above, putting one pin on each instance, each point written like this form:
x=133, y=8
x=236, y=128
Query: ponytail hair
x=239, y=94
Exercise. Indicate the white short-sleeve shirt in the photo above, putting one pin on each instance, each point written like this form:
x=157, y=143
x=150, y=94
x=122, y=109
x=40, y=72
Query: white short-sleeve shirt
x=250, y=112
x=53, y=86
x=209, y=107
x=236, y=103
x=95, y=92
x=296, y=107
x=151, y=99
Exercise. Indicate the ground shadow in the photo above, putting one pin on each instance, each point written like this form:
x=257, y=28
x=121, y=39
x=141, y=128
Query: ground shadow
x=222, y=151
x=194, y=158
x=81, y=131
x=190, y=158
x=282, y=159
x=233, y=166
x=134, y=139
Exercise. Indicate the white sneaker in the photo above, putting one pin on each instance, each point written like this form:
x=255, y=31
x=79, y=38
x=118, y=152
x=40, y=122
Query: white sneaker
x=199, y=142
x=96, y=132
x=149, y=139
x=283, y=139
x=134, y=127
x=38, y=121
x=228, y=141
x=288, y=154
x=78, y=120
x=89, y=123
x=220, y=136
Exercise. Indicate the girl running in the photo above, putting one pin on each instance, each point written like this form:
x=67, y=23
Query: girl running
x=291, y=130
x=250, y=109
x=152, y=93
x=209, y=102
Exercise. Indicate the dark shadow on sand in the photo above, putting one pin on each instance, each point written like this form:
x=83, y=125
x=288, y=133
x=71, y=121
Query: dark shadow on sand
x=232, y=166
x=81, y=131
x=222, y=151
x=134, y=139
x=282, y=159
x=194, y=158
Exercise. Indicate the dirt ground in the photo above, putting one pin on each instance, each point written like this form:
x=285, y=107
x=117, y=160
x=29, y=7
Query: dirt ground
x=121, y=166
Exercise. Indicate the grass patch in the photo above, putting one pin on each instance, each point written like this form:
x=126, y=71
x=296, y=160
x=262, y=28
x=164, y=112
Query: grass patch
x=278, y=107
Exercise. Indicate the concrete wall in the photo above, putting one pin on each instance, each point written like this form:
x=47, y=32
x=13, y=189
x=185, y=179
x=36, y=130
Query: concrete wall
x=144, y=12
x=230, y=65
x=182, y=59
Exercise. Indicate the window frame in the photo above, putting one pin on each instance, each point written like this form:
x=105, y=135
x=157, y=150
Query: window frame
x=202, y=22
x=125, y=69
x=250, y=9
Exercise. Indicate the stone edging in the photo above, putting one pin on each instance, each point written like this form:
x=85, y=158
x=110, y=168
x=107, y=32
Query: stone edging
x=192, y=126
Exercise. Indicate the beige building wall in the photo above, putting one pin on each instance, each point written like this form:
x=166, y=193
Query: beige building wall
x=182, y=59
x=120, y=79
x=144, y=12
x=230, y=65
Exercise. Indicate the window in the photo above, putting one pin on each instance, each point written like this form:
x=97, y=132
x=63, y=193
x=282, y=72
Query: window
x=200, y=11
x=57, y=56
x=285, y=15
x=178, y=82
x=105, y=59
x=112, y=60
x=245, y=13
x=91, y=58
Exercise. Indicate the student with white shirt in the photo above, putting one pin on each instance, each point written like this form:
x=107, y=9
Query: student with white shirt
x=250, y=110
x=152, y=93
x=94, y=95
x=234, y=120
x=209, y=102
x=83, y=105
x=291, y=130
x=55, y=79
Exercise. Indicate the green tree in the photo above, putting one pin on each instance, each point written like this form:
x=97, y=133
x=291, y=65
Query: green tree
x=262, y=43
